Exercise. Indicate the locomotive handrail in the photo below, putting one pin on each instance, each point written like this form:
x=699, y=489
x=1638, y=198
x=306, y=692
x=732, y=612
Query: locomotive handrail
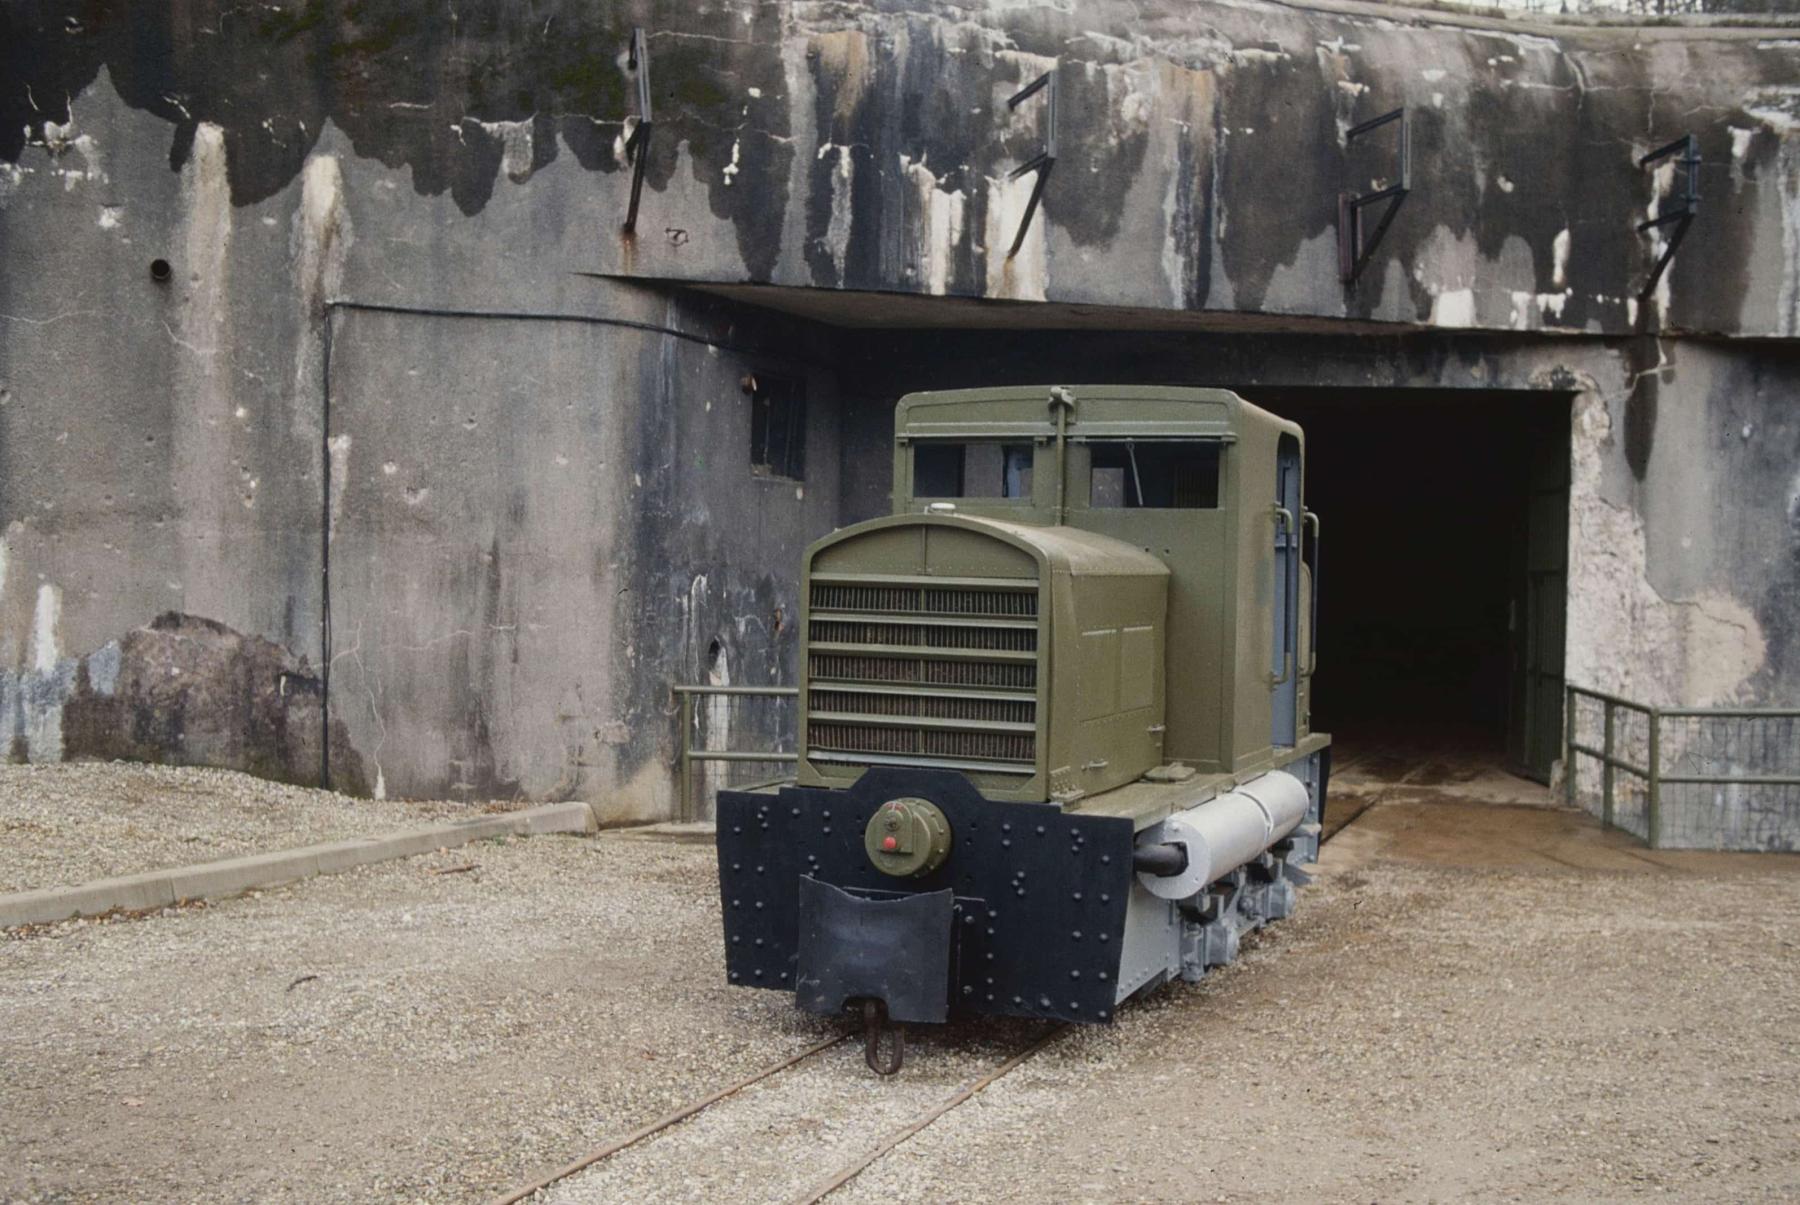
x=1311, y=519
x=1284, y=520
x=1693, y=743
x=685, y=694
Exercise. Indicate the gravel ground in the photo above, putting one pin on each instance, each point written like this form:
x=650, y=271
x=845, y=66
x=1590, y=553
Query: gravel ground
x=781, y=1136
x=66, y=824
x=1473, y=1002
x=387, y=1033
x=1424, y=1031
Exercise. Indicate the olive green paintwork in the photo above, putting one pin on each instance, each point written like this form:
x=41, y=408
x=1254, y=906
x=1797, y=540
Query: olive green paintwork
x=907, y=838
x=1088, y=695
x=1201, y=578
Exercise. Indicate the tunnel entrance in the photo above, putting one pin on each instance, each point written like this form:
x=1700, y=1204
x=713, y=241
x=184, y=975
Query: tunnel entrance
x=1444, y=511
x=1443, y=575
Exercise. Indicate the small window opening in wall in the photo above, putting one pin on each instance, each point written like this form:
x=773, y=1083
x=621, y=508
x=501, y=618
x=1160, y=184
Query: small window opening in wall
x=1154, y=474
x=777, y=426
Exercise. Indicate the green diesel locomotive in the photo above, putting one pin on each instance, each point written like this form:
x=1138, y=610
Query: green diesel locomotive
x=1054, y=742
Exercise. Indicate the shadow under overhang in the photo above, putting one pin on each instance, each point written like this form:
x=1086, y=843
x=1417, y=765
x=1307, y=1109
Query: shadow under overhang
x=911, y=311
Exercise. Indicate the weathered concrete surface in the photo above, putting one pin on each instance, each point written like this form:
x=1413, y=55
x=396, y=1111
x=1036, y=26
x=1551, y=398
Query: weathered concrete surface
x=165, y=452
x=497, y=622
x=532, y=535
x=1201, y=151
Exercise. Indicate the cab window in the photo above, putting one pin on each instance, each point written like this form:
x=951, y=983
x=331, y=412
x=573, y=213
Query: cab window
x=978, y=469
x=1154, y=474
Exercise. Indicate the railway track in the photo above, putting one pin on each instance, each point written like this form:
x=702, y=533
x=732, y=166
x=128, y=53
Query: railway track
x=881, y=1125
x=676, y=1117
x=916, y=1115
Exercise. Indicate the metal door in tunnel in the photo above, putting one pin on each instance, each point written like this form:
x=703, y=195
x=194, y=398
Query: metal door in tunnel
x=1538, y=605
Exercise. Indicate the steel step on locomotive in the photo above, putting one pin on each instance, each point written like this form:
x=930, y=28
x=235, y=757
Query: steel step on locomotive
x=1054, y=741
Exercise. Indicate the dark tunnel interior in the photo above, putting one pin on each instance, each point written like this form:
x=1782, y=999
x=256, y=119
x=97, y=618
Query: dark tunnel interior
x=1426, y=507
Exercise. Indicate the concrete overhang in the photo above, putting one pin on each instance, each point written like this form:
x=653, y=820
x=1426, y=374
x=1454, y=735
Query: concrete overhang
x=902, y=311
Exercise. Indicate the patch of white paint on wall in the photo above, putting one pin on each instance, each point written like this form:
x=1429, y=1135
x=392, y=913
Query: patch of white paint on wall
x=938, y=226
x=1453, y=307
x=338, y=446
x=843, y=180
x=1663, y=179
x=46, y=629
x=1522, y=303
x=517, y=147
x=1021, y=277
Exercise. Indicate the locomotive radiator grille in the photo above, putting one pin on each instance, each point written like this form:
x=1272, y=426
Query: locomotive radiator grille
x=1014, y=637
x=931, y=600
x=969, y=746
x=924, y=674
x=1005, y=709
x=838, y=667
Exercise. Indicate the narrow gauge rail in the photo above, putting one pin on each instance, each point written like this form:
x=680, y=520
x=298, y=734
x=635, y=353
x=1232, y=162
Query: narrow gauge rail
x=826, y=1185
x=608, y=1150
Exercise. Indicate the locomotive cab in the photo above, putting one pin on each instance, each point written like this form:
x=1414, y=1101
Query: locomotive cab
x=1054, y=743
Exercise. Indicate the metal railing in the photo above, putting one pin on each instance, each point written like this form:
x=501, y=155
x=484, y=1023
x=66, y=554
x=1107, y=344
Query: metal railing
x=688, y=755
x=1687, y=777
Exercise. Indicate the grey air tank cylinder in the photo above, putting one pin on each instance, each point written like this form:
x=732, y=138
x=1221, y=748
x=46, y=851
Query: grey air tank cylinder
x=1216, y=837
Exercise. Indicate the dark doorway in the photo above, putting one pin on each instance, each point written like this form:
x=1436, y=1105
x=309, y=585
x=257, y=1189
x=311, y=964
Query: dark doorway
x=1442, y=583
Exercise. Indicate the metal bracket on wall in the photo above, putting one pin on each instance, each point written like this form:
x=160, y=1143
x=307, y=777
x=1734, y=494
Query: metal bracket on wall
x=1354, y=250
x=637, y=147
x=1687, y=203
x=1045, y=159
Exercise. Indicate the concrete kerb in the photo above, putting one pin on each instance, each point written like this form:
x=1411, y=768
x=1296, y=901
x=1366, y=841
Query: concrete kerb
x=208, y=880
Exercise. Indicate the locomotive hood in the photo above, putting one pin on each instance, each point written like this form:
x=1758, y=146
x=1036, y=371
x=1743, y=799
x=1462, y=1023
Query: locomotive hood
x=1029, y=658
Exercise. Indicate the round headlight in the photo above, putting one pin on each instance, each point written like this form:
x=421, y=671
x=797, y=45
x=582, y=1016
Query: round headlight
x=907, y=838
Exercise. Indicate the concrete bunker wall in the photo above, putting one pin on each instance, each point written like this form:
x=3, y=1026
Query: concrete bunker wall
x=1202, y=149
x=539, y=495
x=349, y=290
x=535, y=525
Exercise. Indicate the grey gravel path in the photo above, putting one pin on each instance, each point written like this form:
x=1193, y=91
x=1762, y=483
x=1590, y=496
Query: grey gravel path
x=1429, y=1031
x=388, y=1033
x=66, y=824
x=784, y=1135
x=1472, y=1004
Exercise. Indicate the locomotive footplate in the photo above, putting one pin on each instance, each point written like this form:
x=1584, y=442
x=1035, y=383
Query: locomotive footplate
x=1031, y=902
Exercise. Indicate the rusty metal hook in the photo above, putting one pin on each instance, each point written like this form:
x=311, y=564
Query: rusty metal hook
x=874, y=1022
